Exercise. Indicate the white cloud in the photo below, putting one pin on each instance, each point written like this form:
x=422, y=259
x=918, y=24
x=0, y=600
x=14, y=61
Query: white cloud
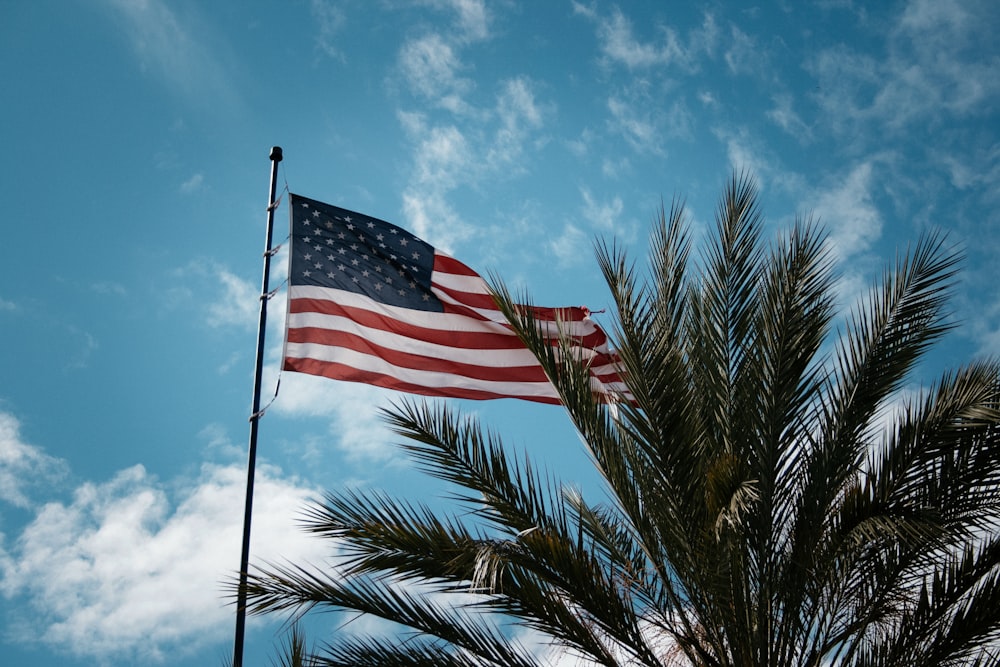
x=329, y=18
x=109, y=287
x=745, y=154
x=473, y=20
x=173, y=47
x=615, y=168
x=784, y=116
x=517, y=113
x=620, y=46
x=849, y=213
x=23, y=466
x=232, y=302
x=486, y=143
x=355, y=425
x=193, y=184
x=430, y=66
x=237, y=305
x=7, y=305
x=708, y=99
x=571, y=246
x=130, y=570
x=603, y=216
x=638, y=129
x=941, y=63
x=442, y=155
x=743, y=55
x=88, y=345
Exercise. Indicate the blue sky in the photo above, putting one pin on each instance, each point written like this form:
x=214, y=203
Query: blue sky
x=511, y=134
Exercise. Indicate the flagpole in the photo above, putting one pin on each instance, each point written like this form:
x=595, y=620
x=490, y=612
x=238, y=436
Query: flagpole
x=241, y=597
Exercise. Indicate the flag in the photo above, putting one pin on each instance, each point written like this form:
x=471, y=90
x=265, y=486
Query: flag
x=369, y=302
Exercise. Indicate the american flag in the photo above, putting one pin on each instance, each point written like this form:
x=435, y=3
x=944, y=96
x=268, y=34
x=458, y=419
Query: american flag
x=369, y=302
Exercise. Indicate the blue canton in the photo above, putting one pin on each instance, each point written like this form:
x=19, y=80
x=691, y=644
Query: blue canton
x=334, y=247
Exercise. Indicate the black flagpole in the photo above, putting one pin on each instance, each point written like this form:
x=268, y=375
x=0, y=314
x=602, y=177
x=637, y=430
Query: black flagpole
x=241, y=597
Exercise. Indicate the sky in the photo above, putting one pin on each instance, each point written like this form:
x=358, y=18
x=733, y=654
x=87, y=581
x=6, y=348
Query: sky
x=511, y=134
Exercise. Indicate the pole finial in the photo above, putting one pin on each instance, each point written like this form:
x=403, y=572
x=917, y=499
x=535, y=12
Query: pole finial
x=276, y=153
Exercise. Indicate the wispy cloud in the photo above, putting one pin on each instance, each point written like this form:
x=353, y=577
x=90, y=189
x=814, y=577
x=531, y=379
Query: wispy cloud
x=620, y=46
x=228, y=300
x=635, y=125
x=329, y=17
x=743, y=55
x=86, y=345
x=23, y=467
x=193, y=184
x=942, y=62
x=431, y=68
x=571, y=246
x=476, y=143
x=784, y=116
x=518, y=114
x=109, y=287
x=177, y=48
x=603, y=216
x=848, y=211
x=472, y=17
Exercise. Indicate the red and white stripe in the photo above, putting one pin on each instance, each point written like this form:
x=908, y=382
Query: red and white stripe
x=468, y=351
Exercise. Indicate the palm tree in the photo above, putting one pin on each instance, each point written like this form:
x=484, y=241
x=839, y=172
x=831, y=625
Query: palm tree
x=772, y=496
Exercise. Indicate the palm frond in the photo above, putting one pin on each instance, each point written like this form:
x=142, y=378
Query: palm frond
x=765, y=504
